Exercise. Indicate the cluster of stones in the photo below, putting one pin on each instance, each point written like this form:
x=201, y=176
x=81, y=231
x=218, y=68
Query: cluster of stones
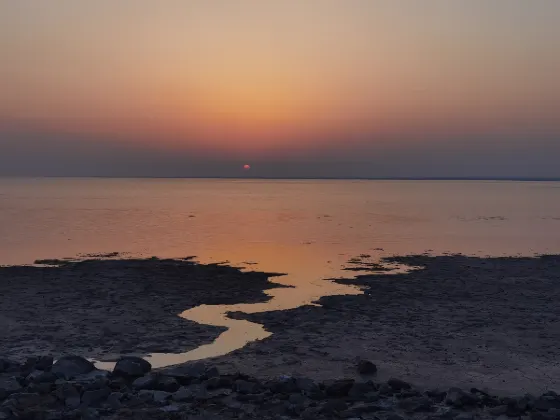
x=71, y=388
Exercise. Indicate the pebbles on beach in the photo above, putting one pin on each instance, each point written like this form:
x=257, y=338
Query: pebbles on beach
x=69, y=389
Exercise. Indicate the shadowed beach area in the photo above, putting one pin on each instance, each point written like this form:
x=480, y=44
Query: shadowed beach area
x=456, y=320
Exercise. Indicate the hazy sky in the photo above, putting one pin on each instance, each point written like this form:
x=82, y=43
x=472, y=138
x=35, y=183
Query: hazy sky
x=293, y=87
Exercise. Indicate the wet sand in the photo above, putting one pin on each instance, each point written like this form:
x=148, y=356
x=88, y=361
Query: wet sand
x=459, y=321
x=103, y=308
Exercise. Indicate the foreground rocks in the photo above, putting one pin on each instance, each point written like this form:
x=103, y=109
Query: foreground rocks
x=71, y=388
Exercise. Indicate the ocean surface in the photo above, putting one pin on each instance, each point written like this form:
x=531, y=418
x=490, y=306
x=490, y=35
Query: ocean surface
x=283, y=225
x=308, y=229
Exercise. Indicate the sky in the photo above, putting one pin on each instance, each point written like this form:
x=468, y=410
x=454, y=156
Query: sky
x=295, y=88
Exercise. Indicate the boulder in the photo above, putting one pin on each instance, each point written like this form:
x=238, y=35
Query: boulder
x=69, y=367
x=398, y=385
x=459, y=398
x=365, y=367
x=9, y=385
x=132, y=367
x=334, y=406
x=166, y=383
x=39, y=363
x=339, y=388
x=114, y=400
x=69, y=394
x=40, y=377
x=7, y=365
x=416, y=404
x=95, y=397
x=246, y=387
x=360, y=389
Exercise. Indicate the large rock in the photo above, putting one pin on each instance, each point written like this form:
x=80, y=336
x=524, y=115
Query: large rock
x=365, y=367
x=459, y=398
x=69, y=367
x=144, y=382
x=40, y=377
x=166, y=383
x=95, y=397
x=8, y=386
x=132, y=367
x=186, y=374
x=246, y=387
x=69, y=394
x=7, y=365
x=416, y=404
x=398, y=385
x=39, y=363
x=339, y=388
x=363, y=390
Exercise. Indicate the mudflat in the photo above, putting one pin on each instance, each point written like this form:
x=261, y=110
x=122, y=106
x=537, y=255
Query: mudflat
x=455, y=321
x=103, y=308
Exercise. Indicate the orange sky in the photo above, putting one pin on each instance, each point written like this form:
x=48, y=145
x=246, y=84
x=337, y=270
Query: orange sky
x=267, y=77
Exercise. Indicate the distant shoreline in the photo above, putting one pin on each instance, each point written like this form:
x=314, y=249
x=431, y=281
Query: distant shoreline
x=265, y=178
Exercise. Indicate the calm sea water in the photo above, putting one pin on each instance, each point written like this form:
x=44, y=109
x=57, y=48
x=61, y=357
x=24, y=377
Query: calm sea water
x=303, y=226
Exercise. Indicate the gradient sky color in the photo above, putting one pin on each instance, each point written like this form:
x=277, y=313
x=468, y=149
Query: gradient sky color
x=368, y=88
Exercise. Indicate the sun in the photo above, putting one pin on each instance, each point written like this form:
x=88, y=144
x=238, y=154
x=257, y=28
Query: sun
x=246, y=167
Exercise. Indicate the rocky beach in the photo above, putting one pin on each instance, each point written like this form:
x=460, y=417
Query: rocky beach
x=467, y=337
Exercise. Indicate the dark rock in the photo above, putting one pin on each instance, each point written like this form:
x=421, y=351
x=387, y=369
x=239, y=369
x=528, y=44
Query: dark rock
x=39, y=363
x=546, y=402
x=359, y=390
x=212, y=372
x=437, y=395
x=69, y=394
x=253, y=398
x=25, y=399
x=40, y=388
x=39, y=377
x=385, y=389
x=95, y=397
x=333, y=407
x=156, y=396
x=192, y=393
x=416, y=404
x=311, y=413
x=246, y=387
x=297, y=399
x=69, y=367
x=172, y=408
x=459, y=398
x=8, y=385
x=219, y=382
x=398, y=385
x=89, y=414
x=365, y=367
x=499, y=410
x=339, y=388
x=132, y=367
x=8, y=366
x=144, y=382
x=166, y=383
x=114, y=400
x=185, y=374
x=464, y=416
x=364, y=408
x=283, y=385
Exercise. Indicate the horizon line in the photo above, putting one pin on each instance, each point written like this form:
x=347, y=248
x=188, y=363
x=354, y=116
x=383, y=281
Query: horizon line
x=295, y=178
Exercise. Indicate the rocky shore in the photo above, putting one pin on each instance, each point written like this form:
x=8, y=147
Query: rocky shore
x=71, y=388
x=103, y=308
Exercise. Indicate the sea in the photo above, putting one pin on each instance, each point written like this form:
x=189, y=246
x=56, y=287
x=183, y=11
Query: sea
x=280, y=225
